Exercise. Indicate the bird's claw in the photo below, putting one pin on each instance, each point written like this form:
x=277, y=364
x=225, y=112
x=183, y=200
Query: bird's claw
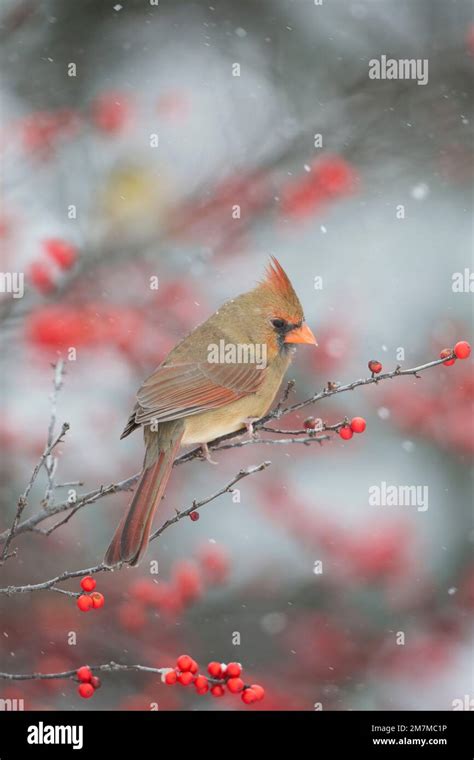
x=206, y=454
x=248, y=422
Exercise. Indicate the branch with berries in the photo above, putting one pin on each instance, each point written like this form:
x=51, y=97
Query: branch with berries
x=311, y=433
x=221, y=678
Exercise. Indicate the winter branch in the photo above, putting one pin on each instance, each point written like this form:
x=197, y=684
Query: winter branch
x=229, y=441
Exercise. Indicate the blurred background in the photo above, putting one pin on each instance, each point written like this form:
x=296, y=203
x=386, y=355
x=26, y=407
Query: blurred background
x=129, y=169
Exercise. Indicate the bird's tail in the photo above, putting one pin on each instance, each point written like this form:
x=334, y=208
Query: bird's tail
x=131, y=537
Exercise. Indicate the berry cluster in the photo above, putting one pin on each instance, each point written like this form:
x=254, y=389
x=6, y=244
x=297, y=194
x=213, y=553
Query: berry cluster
x=356, y=425
x=88, y=682
x=57, y=255
x=462, y=350
x=220, y=677
x=346, y=430
x=92, y=600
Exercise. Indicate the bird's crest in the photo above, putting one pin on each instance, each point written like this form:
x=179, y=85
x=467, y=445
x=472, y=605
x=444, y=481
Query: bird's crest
x=279, y=288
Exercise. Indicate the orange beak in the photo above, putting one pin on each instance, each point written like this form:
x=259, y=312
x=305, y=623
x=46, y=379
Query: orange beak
x=301, y=335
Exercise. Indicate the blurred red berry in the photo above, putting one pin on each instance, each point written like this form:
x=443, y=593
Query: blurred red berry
x=194, y=668
x=258, y=690
x=234, y=669
x=187, y=578
x=328, y=178
x=41, y=276
x=249, y=696
x=217, y=690
x=309, y=423
x=85, y=690
x=84, y=674
x=215, y=562
x=375, y=366
x=184, y=662
x=235, y=685
x=462, y=349
x=358, y=424
x=110, y=112
x=132, y=616
x=171, y=677
x=88, y=583
x=63, y=253
x=84, y=603
x=202, y=684
x=146, y=591
x=98, y=600
x=96, y=682
x=214, y=669
x=346, y=433
x=186, y=678
x=194, y=516
x=447, y=352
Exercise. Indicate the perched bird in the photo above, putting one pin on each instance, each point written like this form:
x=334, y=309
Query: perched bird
x=191, y=399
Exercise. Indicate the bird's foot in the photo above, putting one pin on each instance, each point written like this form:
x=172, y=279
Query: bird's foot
x=206, y=454
x=248, y=422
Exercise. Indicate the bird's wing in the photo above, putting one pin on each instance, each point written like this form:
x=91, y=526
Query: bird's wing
x=179, y=390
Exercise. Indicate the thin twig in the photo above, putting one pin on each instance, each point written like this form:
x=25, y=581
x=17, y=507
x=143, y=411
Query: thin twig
x=108, y=667
x=197, y=504
x=51, y=584
x=330, y=390
x=23, y=500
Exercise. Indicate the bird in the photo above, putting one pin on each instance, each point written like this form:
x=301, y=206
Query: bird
x=190, y=399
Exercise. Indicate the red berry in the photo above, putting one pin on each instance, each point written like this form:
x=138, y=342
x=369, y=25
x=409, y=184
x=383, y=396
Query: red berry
x=202, y=684
x=96, y=682
x=249, y=696
x=462, y=349
x=214, y=669
x=98, y=600
x=375, y=366
x=171, y=677
x=184, y=662
x=259, y=690
x=88, y=583
x=346, y=433
x=185, y=678
x=194, y=516
x=41, y=277
x=309, y=423
x=63, y=253
x=84, y=674
x=84, y=603
x=85, y=690
x=217, y=691
x=234, y=669
x=194, y=667
x=358, y=424
x=447, y=352
x=110, y=112
x=235, y=685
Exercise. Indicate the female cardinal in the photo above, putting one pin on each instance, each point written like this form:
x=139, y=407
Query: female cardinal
x=190, y=399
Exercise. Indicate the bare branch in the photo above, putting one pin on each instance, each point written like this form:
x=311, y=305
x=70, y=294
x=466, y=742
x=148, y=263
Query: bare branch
x=331, y=390
x=43, y=460
x=108, y=667
x=51, y=584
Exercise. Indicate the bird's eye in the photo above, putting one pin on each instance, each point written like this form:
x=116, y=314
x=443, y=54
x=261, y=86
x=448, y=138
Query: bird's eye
x=279, y=324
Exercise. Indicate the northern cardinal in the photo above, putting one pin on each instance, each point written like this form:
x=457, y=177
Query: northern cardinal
x=191, y=400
